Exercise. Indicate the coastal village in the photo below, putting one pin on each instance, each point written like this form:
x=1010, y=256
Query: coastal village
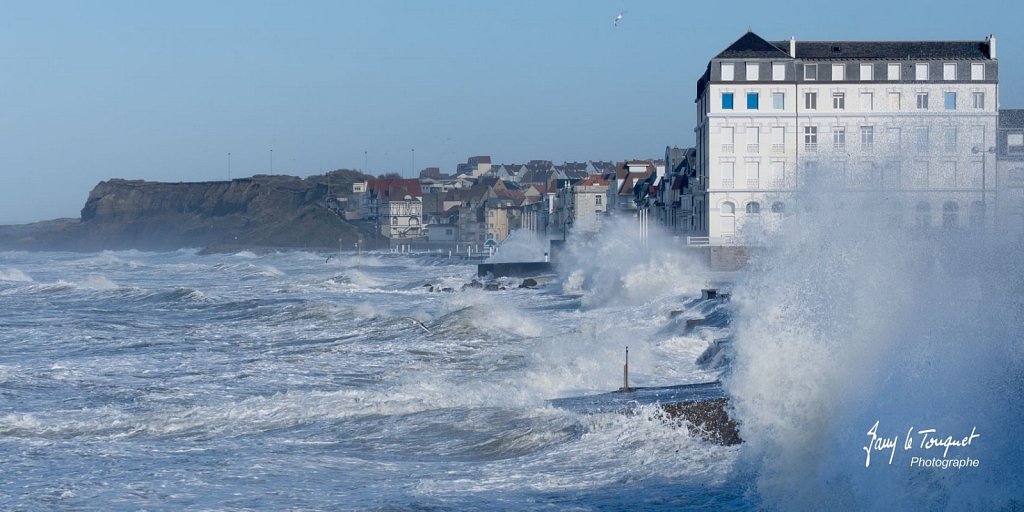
x=917, y=124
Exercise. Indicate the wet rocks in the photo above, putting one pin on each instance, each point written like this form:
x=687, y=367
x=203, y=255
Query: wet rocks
x=708, y=418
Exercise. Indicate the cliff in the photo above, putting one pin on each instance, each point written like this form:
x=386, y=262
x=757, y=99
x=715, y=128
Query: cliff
x=256, y=212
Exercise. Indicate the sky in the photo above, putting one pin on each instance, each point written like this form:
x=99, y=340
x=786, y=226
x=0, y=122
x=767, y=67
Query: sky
x=206, y=90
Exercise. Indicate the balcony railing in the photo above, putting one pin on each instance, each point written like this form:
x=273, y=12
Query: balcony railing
x=728, y=183
x=811, y=146
x=778, y=148
x=777, y=183
x=728, y=148
x=753, y=148
x=753, y=183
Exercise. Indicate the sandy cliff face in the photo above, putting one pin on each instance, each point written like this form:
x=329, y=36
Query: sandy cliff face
x=262, y=211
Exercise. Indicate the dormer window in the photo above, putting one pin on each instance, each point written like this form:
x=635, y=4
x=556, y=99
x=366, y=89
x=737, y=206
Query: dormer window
x=810, y=71
x=838, y=72
x=753, y=71
x=728, y=71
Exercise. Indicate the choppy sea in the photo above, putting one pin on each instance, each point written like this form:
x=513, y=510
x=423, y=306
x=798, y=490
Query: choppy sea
x=290, y=381
x=298, y=381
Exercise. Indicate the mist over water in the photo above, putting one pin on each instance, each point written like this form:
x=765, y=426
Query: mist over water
x=843, y=321
x=137, y=380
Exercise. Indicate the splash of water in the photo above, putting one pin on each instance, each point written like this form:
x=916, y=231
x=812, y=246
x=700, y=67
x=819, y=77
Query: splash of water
x=521, y=245
x=844, y=322
x=617, y=266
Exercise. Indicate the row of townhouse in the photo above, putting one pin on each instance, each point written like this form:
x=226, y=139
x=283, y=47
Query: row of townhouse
x=914, y=122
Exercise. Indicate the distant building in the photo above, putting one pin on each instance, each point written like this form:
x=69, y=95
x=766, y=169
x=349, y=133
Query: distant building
x=1010, y=177
x=474, y=167
x=395, y=205
x=589, y=203
x=910, y=121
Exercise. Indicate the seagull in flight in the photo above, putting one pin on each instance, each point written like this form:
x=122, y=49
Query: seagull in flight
x=618, y=18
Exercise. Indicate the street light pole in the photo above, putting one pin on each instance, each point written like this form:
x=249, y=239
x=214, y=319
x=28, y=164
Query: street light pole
x=984, y=171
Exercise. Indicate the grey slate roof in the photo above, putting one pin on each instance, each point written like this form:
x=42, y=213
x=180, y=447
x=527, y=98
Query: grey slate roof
x=1011, y=118
x=889, y=50
x=752, y=46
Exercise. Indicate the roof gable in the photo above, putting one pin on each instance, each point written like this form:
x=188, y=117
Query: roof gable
x=752, y=46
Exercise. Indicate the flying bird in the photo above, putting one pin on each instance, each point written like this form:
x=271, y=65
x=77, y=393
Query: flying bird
x=618, y=18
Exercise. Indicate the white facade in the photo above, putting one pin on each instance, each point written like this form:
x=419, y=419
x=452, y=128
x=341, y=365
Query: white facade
x=402, y=219
x=771, y=123
x=589, y=204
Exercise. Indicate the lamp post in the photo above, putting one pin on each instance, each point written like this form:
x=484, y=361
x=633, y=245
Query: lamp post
x=976, y=150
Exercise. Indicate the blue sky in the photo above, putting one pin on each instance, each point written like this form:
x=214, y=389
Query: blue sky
x=166, y=90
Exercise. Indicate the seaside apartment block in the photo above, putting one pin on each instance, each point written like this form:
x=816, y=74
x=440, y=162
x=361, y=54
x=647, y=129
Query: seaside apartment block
x=914, y=122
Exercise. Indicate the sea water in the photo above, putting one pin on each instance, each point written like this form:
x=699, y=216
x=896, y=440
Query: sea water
x=298, y=380
x=168, y=381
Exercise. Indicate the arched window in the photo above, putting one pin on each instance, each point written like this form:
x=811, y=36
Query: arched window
x=754, y=208
x=894, y=214
x=977, y=214
x=728, y=208
x=923, y=214
x=950, y=215
x=778, y=207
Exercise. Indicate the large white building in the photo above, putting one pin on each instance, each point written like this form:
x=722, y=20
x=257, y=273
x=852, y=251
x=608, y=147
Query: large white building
x=913, y=120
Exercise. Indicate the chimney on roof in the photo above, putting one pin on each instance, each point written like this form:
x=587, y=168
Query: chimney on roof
x=991, y=46
x=792, y=46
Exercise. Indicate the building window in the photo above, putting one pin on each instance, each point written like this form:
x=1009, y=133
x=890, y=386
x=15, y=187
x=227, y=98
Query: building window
x=810, y=71
x=921, y=71
x=921, y=141
x=950, y=142
x=811, y=138
x=839, y=137
x=922, y=100
x=866, y=71
x=753, y=174
x=753, y=71
x=978, y=99
x=728, y=72
x=895, y=134
x=728, y=174
x=727, y=100
x=394, y=221
x=894, y=101
x=923, y=214
x=1015, y=142
x=950, y=215
x=811, y=100
x=838, y=72
x=977, y=71
x=977, y=218
x=753, y=139
x=778, y=207
x=754, y=208
x=949, y=99
x=727, y=139
x=893, y=71
x=752, y=98
x=867, y=137
x=838, y=101
x=949, y=71
x=778, y=139
x=597, y=200
x=728, y=208
x=778, y=71
x=778, y=100
x=867, y=101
